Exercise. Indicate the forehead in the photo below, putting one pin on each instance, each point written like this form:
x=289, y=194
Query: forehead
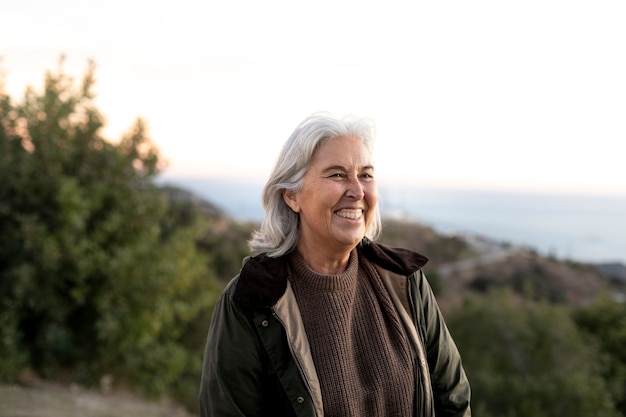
x=348, y=152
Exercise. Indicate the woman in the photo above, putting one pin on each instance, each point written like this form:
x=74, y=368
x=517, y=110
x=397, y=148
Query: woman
x=323, y=321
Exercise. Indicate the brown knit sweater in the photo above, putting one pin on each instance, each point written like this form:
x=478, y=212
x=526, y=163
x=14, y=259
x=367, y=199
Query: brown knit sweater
x=359, y=347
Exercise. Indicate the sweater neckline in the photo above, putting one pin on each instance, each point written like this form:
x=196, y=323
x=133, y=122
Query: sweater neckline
x=339, y=282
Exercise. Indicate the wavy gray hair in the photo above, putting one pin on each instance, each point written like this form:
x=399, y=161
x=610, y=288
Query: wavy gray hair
x=279, y=231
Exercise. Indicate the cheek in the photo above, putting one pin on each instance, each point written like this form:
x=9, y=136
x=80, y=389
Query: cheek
x=371, y=196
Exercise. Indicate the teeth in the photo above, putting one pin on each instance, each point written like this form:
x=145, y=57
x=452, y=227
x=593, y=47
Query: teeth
x=350, y=214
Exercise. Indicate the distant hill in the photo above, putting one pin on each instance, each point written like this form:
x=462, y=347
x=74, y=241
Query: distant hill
x=613, y=270
x=459, y=264
x=181, y=195
x=462, y=265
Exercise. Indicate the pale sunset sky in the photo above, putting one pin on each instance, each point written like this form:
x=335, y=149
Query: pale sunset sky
x=527, y=95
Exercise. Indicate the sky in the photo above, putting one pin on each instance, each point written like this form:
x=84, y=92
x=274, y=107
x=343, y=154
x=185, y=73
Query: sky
x=516, y=95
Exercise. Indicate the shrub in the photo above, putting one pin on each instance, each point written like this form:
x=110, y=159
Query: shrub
x=525, y=358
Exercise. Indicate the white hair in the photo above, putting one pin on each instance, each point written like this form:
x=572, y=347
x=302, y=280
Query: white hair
x=279, y=231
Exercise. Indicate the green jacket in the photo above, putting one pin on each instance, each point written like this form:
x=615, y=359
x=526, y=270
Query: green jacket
x=257, y=360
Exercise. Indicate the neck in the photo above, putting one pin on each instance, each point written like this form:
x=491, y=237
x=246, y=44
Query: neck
x=325, y=262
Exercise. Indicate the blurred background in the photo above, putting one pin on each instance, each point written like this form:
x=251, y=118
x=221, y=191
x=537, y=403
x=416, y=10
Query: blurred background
x=133, y=128
x=524, y=95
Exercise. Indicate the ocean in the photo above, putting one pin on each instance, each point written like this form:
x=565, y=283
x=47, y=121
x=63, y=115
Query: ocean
x=587, y=228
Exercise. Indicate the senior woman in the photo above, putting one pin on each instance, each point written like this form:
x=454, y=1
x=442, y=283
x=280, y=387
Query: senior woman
x=323, y=321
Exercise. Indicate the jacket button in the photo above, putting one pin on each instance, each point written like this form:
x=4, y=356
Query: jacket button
x=300, y=400
x=265, y=323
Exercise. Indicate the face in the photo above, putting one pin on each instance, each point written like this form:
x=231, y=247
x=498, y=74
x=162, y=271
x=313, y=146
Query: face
x=337, y=202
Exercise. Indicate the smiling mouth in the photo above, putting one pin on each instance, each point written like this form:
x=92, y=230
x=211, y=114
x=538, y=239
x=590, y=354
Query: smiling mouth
x=352, y=214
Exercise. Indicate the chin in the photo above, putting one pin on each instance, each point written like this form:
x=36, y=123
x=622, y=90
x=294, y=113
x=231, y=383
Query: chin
x=351, y=241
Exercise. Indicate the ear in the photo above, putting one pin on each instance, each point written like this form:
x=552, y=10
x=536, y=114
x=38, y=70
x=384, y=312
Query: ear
x=290, y=198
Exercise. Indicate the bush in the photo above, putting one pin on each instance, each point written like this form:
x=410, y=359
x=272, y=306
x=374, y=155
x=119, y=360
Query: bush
x=99, y=272
x=604, y=322
x=525, y=358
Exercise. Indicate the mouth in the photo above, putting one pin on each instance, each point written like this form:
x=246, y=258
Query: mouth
x=351, y=214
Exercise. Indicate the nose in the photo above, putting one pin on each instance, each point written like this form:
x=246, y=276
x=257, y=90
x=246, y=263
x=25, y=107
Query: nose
x=355, y=189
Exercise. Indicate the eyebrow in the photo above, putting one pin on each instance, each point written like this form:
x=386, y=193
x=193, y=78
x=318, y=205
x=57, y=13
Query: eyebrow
x=342, y=168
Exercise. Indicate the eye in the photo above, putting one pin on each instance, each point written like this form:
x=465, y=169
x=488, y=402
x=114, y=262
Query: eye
x=336, y=175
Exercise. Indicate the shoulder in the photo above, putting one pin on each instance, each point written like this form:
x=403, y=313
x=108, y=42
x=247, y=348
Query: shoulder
x=398, y=260
x=261, y=281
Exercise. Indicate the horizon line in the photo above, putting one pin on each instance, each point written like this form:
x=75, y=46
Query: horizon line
x=519, y=188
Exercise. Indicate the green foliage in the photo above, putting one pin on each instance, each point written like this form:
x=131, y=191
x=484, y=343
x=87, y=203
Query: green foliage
x=525, y=358
x=103, y=272
x=99, y=273
x=13, y=358
x=531, y=284
x=227, y=245
x=604, y=322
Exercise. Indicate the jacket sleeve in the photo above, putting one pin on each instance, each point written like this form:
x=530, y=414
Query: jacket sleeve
x=451, y=389
x=232, y=369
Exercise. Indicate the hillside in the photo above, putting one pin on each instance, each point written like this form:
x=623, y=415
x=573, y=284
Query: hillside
x=460, y=266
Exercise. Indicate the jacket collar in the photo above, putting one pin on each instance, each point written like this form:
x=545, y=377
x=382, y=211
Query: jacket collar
x=263, y=280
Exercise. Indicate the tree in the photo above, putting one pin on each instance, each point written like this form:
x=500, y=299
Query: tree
x=525, y=358
x=604, y=321
x=95, y=277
